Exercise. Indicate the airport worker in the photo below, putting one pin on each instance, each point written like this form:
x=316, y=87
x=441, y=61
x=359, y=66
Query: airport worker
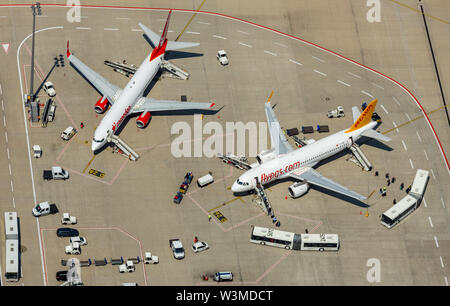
x=402, y=186
x=388, y=182
x=393, y=180
x=277, y=224
x=81, y=125
x=376, y=173
x=381, y=191
x=394, y=201
x=306, y=230
x=209, y=217
x=387, y=175
x=195, y=239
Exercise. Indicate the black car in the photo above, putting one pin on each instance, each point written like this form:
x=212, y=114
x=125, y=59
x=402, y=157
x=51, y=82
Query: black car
x=61, y=276
x=67, y=232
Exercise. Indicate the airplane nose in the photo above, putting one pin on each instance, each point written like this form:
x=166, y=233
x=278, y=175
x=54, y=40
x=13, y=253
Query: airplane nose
x=235, y=187
x=95, y=147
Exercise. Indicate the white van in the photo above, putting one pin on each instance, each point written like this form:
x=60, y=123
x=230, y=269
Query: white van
x=223, y=276
x=205, y=180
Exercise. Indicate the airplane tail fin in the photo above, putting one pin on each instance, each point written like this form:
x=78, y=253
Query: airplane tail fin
x=364, y=118
x=158, y=41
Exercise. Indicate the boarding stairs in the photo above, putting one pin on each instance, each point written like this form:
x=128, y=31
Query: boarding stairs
x=360, y=158
x=119, y=146
x=239, y=162
x=124, y=69
x=262, y=200
x=174, y=71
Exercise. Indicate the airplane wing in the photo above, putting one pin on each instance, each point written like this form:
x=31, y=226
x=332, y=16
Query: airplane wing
x=153, y=105
x=277, y=137
x=100, y=83
x=313, y=177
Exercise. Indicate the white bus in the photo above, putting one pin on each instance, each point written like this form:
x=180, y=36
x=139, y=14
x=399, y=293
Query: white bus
x=12, y=258
x=399, y=211
x=287, y=240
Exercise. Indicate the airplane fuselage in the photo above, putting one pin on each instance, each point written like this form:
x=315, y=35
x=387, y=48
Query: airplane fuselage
x=297, y=160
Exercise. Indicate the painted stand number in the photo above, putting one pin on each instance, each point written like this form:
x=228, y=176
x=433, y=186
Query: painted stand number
x=96, y=173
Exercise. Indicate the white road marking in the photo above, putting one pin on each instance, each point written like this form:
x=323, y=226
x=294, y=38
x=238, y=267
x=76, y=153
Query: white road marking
x=432, y=172
x=3, y=107
x=319, y=59
x=201, y=22
x=243, y=32
x=295, y=62
x=417, y=133
x=12, y=186
x=9, y=166
x=431, y=222
x=9, y=157
x=281, y=45
x=355, y=75
x=42, y=16
x=395, y=125
x=435, y=240
x=410, y=161
x=14, y=202
x=426, y=155
x=4, y=120
x=396, y=101
x=111, y=29
x=442, y=262
x=385, y=110
x=404, y=146
x=343, y=83
x=137, y=30
x=189, y=32
x=217, y=36
x=82, y=28
x=3, y=16
x=122, y=18
x=245, y=44
x=368, y=94
x=1, y=90
x=319, y=72
x=376, y=85
x=168, y=31
x=407, y=116
x=443, y=204
x=271, y=53
x=425, y=203
x=6, y=136
x=446, y=281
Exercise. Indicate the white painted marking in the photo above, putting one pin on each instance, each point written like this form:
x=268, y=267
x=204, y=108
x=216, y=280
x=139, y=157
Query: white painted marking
x=443, y=204
x=3, y=16
x=410, y=161
x=281, y=45
x=245, y=44
x=442, y=262
x=404, y=145
x=425, y=203
x=189, y=32
x=201, y=22
x=111, y=29
x=137, y=30
x=395, y=125
x=295, y=62
x=446, y=281
x=4, y=120
x=1, y=90
x=407, y=116
x=7, y=151
x=83, y=28
x=42, y=16
x=6, y=136
x=9, y=166
x=122, y=18
x=343, y=83
x=376, y=85
x=271, y=53
x=431, y=222
x=14, y=202
x=3, y=107
x=384, y=108
x=168, y=31
x=432, y=172
x=319, y=59
x=418, y=136
x=435, y=240
x=217, y=36
x=368, y=94
x=12, y=186
x=396, y=101
x=355, y=75
x=317, y=71
x=426, y=155
x=243, y=32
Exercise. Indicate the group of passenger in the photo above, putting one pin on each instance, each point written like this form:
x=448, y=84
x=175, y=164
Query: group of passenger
x=389, y=182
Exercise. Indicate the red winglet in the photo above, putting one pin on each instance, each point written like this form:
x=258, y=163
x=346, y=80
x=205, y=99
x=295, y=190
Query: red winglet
x=212, y=104
x=68, y=52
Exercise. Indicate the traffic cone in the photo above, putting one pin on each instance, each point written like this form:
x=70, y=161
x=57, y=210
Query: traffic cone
x=367, y=214
x=285, y=197
x=360, y=212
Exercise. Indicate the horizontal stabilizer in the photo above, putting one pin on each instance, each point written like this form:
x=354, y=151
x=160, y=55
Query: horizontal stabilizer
x=356, y=113
x=374, y=134
x=154, y=38
x=176, y=45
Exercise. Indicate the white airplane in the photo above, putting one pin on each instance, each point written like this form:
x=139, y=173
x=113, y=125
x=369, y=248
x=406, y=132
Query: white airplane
x=282, y=161
x=130, y=100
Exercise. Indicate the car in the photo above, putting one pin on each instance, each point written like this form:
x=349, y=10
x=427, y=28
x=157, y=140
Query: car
x=49, y=89
x=67, y=232
x=68, y=133
x=200, y=246
x=222, y=57
x=61, y=276
x=80, y=240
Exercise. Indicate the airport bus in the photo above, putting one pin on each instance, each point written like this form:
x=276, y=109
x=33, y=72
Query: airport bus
x=288, y=240
x=399, y=211
x=12, y=247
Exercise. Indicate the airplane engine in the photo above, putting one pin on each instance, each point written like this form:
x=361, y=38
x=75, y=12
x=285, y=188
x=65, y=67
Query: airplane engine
x=101, y=105
x=143, y=120
x=298, y=189
x=265, y=156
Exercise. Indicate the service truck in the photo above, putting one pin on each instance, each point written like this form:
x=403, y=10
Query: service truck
x=44, y=208
x=127, y=267
x=57, y=173
x=68, y=219
x=177, y=248
x=336, y=113
x=49, y=89
x=73, y=248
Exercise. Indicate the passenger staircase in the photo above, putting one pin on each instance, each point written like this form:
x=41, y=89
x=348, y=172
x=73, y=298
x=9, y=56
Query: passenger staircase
x=360, y=158
x=238, y=162
x=119, y=146
x=262, y=199
x=124, y=69
x=74, y=273
x=174, y=71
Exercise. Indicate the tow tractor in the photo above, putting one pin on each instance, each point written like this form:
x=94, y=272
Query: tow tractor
x=68, y=219
x=73, y=248
x=127, y=267
x=150, y=259
x=336, y=113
